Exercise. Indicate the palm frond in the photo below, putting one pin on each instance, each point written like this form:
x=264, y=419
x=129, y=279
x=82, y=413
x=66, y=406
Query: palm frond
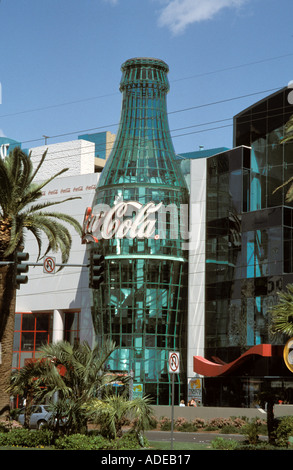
x=282, y=313
x=20, y=209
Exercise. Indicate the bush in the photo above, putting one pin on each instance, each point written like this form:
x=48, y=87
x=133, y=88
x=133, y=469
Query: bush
x=130, y=441
x=7, y=425
x=239, y=422
x=284, y=430
x=153, y=424
x=26, y=438
x=252, y=430
x=82, y=442
x=198, y=423
x=165, y=424
x=219, y=423
x=224, y=444
x=261, y=445
x=230, y=429
x=181, y=424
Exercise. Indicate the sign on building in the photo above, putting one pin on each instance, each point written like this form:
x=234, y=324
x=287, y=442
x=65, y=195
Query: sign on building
x=137, y=391
x=195, y=389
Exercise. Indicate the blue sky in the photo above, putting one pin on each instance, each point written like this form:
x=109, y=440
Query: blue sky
x=60, y=63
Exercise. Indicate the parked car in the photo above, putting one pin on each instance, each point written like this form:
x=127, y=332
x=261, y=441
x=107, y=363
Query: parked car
x=40, y=416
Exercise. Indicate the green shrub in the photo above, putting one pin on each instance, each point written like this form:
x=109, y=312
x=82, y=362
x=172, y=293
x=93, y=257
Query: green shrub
x=239, y=422
x=261, y=445
x=153, y=423
x=252, y=430
x=7, y=425
x=198, y=423
x=130, y=441
x=182, y=424
x=26, y=438
x=82, y=442
x=165, y=424
x=3, y=427
x=224, y=444
x=230, y=429
x=284, y=430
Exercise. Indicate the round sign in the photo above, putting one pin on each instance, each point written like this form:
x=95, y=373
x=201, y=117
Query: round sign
x=174, y=362
x=49, y=265
x=288, y=354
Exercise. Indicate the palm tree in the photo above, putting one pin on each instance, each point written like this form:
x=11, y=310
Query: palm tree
x=20, y=210
x=110, y=413
x=75, y=374
x=25, y=383
x=282, y=313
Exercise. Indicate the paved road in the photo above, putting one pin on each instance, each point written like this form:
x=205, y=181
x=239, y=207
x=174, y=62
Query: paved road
x=196, y=437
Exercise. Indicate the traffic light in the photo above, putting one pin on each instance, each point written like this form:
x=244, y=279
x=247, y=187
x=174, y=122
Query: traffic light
x=21, y=268
x=97, y=268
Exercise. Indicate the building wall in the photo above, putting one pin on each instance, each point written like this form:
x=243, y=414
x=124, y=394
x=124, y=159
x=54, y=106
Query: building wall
x=76, y=155
x=68, y=289
x=196, y=267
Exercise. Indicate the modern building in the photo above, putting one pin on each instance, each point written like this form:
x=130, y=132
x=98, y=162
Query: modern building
x=248, y=257
x=228, y=270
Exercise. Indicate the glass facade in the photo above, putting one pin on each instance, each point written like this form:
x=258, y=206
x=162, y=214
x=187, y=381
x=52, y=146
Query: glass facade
x=261, y=127
x=248, y=249
x=142, y=303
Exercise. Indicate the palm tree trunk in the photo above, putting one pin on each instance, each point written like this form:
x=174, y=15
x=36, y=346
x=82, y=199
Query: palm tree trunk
x=270, y=421
x=7, y=314
x=28, y=410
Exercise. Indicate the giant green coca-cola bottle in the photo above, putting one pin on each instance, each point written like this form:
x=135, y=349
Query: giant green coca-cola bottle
x=137, y=219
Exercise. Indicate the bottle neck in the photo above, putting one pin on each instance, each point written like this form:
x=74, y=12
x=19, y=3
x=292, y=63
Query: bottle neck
x=143, y=151
x=144, y=123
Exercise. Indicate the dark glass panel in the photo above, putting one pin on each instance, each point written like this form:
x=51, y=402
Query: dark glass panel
x=258, y=121
x=41, y=338
x=235, y=159
x=275, y=112
x=27, y=341
x=287, y=216
x=242, y=130
x=43, y=321
x=288, y=249
x=28, y=321
x=246, y=157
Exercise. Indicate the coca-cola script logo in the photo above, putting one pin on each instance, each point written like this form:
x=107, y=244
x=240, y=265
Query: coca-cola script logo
x=125, y=219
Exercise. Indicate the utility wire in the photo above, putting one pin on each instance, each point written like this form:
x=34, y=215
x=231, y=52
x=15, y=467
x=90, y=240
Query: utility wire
x=253, y=117
x=233, y=67
x=172, y=112
x=169, y=113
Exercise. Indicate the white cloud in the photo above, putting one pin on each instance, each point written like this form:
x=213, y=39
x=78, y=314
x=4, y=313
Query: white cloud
x=2, y=133
x=178, y=14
